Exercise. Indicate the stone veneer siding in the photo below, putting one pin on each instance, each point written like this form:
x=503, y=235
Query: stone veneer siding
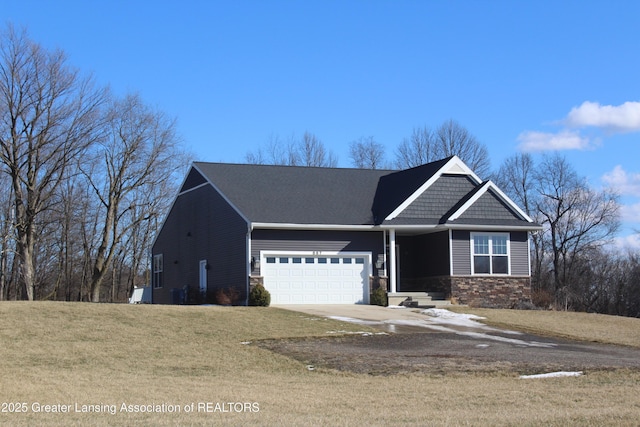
x=482, y=291
x=491, y=291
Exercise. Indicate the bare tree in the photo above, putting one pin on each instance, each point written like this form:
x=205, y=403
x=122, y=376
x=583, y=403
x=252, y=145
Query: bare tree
x=454, y=139
x=137, y=155
x=576, y=218
x=312, y=152
x=449, y=139
x=7, y=237
x=366, y=153
x=274, y=152
x=48, y=116
x=516, y=178
x=416, y=150
x=307, y=151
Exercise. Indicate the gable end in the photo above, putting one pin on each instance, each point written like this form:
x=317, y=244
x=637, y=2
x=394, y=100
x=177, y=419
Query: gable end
x=193, y=179
x=489, y=206
x=439, y=198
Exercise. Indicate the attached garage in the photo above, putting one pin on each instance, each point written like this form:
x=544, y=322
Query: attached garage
x=312, y=278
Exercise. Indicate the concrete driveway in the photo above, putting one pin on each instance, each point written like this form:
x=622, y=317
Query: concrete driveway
x=356, y=311
x=400, y=319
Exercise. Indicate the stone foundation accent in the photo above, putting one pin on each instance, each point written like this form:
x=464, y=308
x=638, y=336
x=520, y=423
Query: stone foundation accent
x=476, y=291
x=491, y=291
x=255, y=280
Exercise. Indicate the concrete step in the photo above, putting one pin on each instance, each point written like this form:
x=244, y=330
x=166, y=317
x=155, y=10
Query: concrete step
x=418, y=299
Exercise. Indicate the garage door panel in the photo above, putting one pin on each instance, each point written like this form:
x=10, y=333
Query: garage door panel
x=296, y=279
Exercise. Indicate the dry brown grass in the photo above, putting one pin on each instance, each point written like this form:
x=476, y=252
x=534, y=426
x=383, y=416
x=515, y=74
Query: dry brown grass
x=58, y=353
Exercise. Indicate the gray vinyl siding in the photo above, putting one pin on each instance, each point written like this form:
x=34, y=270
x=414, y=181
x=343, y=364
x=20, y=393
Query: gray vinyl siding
x=202, y=226
x=461, y=252
x=519, y=253
x=316, y=240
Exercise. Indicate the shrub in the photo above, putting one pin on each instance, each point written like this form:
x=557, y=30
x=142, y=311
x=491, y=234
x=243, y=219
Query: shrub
x=379, y=297
x=226, y=296
x=259, y=296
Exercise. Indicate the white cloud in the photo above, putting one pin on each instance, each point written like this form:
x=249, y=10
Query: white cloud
x=615, y=118
x=623, y=181
x=563, y=140
x=627, y=243
x=630, y=213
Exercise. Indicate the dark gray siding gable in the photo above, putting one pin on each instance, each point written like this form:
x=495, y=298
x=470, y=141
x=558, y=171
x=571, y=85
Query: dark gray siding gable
x=439, y=198
x=489, y=206
x=202, y=226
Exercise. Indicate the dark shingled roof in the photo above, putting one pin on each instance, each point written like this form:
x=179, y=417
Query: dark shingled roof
x=331, y=196
x=295, y=194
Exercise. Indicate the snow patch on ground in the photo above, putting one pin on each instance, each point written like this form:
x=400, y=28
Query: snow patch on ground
x=364, y=334
x=552, y=375
x=443, y=320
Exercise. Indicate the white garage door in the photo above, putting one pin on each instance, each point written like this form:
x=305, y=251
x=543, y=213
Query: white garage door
x=316, y=279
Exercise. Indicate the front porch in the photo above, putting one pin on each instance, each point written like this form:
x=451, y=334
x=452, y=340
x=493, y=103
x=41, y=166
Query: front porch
x=429, y=268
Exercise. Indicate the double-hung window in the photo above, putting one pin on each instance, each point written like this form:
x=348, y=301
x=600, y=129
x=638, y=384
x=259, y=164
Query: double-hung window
x=490, y=253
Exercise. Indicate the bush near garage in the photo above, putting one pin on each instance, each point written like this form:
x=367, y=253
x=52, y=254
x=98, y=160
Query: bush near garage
x=259, y=296
x=379, y=297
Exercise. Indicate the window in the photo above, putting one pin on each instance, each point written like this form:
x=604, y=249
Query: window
x=271, y=260
x=335, y=260
x=309, y=260
x=490, y=253
x=157, y=270
x=297, y=260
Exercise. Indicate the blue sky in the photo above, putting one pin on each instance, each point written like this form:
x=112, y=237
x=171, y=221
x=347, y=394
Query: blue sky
x=533, y=76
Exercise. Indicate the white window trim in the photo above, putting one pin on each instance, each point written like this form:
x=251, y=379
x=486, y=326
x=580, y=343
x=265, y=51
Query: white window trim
x=490, y=235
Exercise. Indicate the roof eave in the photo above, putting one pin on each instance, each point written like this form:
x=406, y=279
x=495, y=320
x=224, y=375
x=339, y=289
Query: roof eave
x=524, y=227
x=293, y=226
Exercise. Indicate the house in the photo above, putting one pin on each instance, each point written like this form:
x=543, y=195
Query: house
x=330, y=235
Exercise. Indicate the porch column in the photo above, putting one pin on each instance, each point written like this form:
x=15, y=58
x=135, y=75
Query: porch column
x=392, y=261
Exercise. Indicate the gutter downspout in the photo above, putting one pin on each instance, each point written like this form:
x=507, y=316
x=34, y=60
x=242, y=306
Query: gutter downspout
x=249, y=229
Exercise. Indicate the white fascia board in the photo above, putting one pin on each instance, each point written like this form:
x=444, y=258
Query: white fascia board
x=485, y=187
x=412, y=227
x=287, y=226
x=473, y=227
x=224, y=196
x=453, y=166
